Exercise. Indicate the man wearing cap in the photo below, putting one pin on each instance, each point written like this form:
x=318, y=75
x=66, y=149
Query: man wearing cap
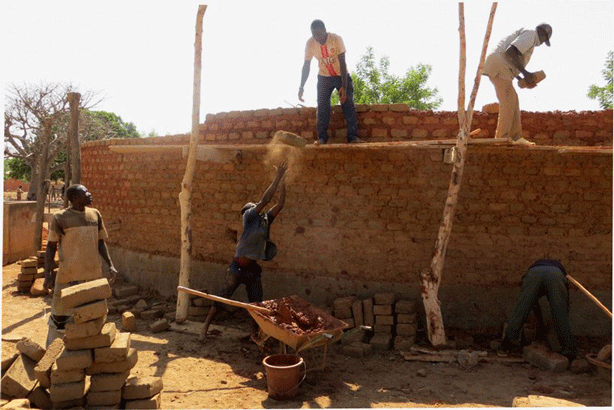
x=329, y=50
x=505, y=62
x=254, y=245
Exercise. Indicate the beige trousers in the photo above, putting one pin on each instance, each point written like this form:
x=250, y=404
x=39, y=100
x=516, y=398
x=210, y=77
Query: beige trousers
x=508, y=124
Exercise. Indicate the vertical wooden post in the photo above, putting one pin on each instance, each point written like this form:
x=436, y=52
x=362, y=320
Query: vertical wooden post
x=73, y=137
x=185, y=196
x=431, y=278
x=41, y=191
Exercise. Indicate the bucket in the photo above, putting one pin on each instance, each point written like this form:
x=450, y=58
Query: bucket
x=284, y=373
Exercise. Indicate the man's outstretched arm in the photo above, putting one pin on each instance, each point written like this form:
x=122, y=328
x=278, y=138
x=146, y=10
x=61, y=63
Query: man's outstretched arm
x=282, y=199
x=268, y=194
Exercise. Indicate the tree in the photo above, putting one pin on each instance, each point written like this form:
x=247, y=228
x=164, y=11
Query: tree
x=26, y=108
x=375, y=85
x=604, y=94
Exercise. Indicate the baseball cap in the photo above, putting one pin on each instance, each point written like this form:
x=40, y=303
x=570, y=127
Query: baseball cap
x=548, y=30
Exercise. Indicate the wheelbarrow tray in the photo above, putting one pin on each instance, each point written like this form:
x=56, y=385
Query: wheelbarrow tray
x=301, y=341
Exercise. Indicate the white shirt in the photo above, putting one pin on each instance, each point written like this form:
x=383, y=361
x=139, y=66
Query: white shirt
x=327, y=54
x=496, y=65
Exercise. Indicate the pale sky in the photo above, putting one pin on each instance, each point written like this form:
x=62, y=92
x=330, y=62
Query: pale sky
x=140, y=54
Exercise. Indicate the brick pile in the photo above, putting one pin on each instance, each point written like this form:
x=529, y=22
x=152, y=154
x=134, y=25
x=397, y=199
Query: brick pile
x=29, y=272
x=394, y=322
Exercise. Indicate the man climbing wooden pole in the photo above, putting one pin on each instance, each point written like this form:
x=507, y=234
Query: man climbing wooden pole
x=185, y=196
x=431, y=278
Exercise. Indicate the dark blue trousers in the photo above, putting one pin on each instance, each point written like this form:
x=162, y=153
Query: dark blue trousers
x=551, y=282
x=326, y=85
x=250, y=276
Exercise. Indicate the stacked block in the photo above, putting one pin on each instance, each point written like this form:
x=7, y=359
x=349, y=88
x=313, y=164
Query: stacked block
x=198, y=309
x=29, y=271
x=142, y=393
x=395, y=322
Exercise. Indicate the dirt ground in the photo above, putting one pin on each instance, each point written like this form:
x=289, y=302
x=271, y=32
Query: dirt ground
x=227, y=370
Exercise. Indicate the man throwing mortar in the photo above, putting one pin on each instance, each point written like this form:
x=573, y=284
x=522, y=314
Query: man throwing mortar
x=254, y=245
x=505, y=62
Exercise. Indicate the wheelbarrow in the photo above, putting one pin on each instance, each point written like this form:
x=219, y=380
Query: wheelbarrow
x=328, y=331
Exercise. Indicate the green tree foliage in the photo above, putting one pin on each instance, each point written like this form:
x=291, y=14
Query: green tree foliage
x=373, y=84
x=604, y=94
x=98, y=125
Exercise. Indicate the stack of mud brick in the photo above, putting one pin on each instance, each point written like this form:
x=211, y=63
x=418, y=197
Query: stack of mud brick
x=92, y=363
x=394, y=322
x=29, y=272
x=198, y=308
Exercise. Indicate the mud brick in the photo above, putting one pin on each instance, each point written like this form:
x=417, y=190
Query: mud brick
x=69, y=404
x=31, y=349
x=90, y=311
x=114, y=367
x=116, y=352
x=193, y=311
x=103, y=398
x=382, y=310
x=381, y=342
x=159, y=325
x=66, y=376
x=40, y=254
x=28, y=272
x=67, y=391
x=19, y=379
x=170, y=316
x=85, y=329
x=28, y=263
x=17, y=404
x=407, y=318
x=343, y=303
x=126, y=301
x=359, y=317
x=125, y=290
x=108, y=381
x=84, y=293
x=128, y=321
x=405, y=306
x=151, y=403
x=142, y=387
x=541, y=357
x=385, y=298
x=382, y=329
x=43, y=367
x=26, y=277
x=543, y=401
x=37, y=288
x=350, y=322
x=103, y=339
x=141, y=304
x=122, y=308
x=407, y=329
x=153, y=314
x=403, y=343
x=367, y=309
x=384, y=320
x=40, y=398
x=343, y=313
x=74, y=359
x=9, y=355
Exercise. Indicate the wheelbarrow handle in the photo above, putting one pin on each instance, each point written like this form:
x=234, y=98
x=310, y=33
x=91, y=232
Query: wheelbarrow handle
x=224, y=300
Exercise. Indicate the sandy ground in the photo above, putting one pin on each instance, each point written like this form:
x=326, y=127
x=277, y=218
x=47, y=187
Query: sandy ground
x=227, y=370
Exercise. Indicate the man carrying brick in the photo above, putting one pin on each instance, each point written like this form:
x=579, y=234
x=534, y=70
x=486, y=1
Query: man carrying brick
x=505, y=62
x=254, y=245
x=328, y=48
x=79, y=233
x=545, y=277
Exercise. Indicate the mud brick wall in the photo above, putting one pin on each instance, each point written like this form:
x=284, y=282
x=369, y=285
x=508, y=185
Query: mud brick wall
x=371, y=213
x=396, y=122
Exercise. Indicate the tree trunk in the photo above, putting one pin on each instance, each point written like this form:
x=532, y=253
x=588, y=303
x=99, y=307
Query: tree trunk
x=431, y=278
x=73, y=138
x=41, y=192
x=185, y=196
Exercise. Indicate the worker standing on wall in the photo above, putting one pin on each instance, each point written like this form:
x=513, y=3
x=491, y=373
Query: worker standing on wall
x=79, y=233
x=329, y=49
x=505, y=62
x=254, y=245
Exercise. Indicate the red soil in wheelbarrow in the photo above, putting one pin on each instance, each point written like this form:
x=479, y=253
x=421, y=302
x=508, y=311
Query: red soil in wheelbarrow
x=297, y=315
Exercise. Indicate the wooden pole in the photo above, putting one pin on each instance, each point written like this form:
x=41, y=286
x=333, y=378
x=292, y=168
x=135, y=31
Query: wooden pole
x=431, y=278
x=590, y=296
x=185, y=196
x=41, y=191
x=73, y=138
